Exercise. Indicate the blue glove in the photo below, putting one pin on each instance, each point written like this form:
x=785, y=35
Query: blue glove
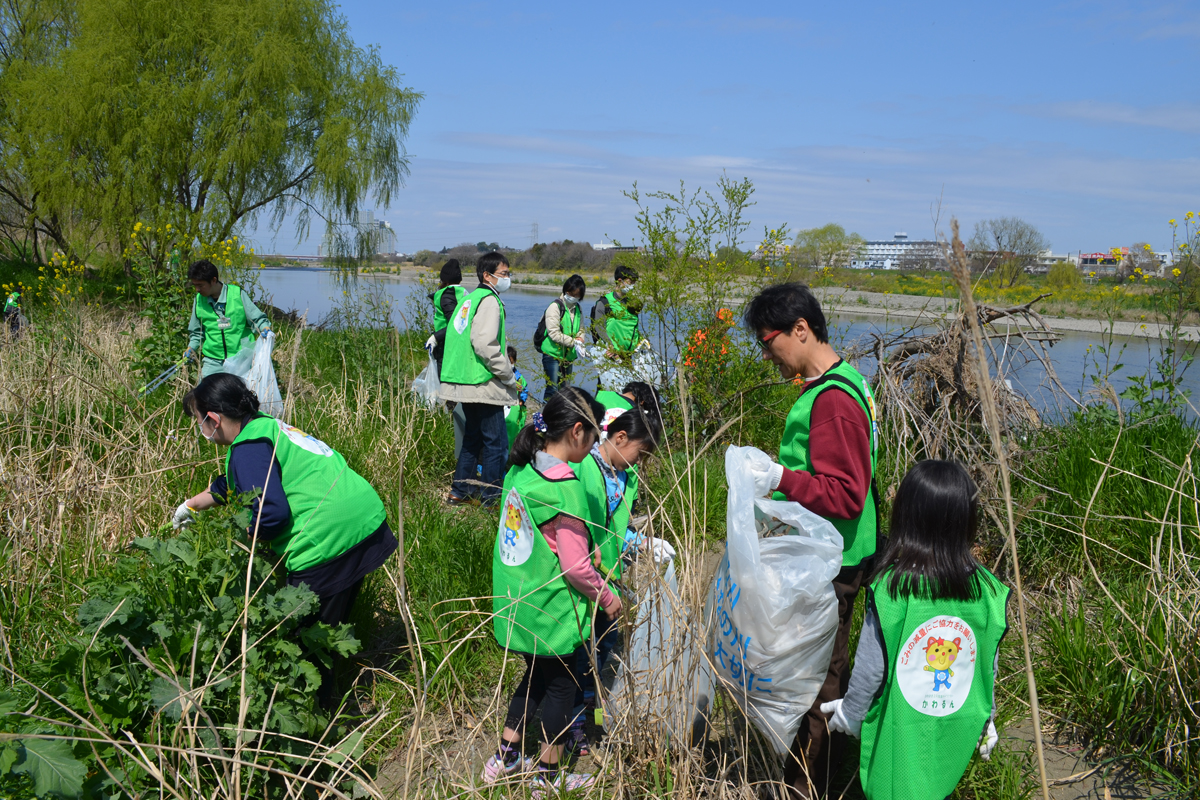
x=523, y=396
x=633, y=540
x=189, y=354
x=517, y=376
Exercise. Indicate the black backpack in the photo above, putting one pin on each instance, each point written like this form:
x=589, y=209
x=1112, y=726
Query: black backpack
x=539, y=335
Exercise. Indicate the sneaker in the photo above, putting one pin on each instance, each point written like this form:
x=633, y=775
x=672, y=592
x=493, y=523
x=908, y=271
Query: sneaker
x=495, y=769
x=563, y=782
x=454, y=501
x=577, y=744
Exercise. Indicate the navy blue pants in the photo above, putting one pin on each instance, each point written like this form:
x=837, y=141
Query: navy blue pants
x=484, y=445
x=557, y=373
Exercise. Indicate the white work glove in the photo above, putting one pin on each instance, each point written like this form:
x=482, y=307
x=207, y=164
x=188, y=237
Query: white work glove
x=183, y=516
x=430, y=343
x=766, y=478
x=838, y=721
x=581, y=351
x=989, y=741
x=661, y=551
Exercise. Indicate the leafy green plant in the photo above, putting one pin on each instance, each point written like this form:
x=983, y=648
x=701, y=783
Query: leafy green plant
x=195, y=647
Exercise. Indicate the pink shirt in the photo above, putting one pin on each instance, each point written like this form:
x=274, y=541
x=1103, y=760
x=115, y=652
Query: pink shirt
x=568, y=539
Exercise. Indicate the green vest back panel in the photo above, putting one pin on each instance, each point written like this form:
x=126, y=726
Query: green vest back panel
x=572, y=319
x=333, y=507
x=858, y=534
x=621, y=324
x=439, y=319
x=920, y=732
x=222, y=335
x=460, y=364
x=611, y=537
x=535, y=610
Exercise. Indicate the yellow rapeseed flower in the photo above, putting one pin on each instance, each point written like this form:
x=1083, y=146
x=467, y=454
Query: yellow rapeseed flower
x=1190, y=214
x=1176, y=272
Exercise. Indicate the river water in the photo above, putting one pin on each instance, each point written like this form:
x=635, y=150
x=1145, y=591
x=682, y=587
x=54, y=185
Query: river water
x=1076, y=357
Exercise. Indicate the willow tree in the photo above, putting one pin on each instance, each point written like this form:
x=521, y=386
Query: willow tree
x=206, y=115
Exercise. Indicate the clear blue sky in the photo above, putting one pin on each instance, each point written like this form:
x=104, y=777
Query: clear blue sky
x=1081, y=117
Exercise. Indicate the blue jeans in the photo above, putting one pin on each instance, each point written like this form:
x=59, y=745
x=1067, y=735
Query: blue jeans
x=484, y=445
x=557, y=373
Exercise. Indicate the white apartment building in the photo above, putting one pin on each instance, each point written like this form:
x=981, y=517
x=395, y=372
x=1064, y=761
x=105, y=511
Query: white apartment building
x=897, y=252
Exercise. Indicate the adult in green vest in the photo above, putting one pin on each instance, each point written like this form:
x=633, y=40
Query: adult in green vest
x=827, y=464
x=222, y=317
x=476, y=374
x=320, y=517
x=609, y=474
x=922, y=694
x=447, y=298
x=559, y=336
x=615, y=317
x=544, y=583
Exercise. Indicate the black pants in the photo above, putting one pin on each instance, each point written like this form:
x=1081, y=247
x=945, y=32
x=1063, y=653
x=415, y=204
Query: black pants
x=334, y=609
x=549, y=682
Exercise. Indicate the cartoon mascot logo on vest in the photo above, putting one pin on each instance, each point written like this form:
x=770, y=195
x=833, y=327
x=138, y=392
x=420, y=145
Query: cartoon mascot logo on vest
x=515, y=536
x=944, y=646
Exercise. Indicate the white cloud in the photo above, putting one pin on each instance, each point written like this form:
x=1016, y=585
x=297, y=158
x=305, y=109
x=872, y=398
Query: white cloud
x=1183, y=117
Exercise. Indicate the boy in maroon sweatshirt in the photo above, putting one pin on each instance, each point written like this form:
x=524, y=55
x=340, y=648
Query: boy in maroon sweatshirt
x=827, y=462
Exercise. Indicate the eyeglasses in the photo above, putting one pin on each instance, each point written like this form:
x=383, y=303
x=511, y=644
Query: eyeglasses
x=765, y=342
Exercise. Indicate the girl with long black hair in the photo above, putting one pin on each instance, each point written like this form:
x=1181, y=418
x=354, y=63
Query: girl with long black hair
x=544, y=582
x=922, y=689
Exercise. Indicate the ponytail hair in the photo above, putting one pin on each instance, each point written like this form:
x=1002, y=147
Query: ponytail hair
x=570, y=406
x=222, y=394
x=648, y=399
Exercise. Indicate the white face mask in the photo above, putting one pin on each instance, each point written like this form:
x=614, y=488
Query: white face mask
x=570, y=300
x=216, y=425
x=502, y=284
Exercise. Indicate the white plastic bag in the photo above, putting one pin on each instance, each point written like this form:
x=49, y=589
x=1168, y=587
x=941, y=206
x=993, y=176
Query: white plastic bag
x=644, y=366
x=261, y=377
x=663, y=684
x=772, y=604
x=426, y=385
x=240, y=362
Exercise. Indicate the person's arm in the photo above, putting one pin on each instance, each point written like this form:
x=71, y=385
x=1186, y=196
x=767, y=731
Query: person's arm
x=449, y=302
x=254, y=315
x=839, y=445
x=568, y=538
x=554, y=326
x=195, y=331
x=870, y=664
x=485, y=339
x=252, y=466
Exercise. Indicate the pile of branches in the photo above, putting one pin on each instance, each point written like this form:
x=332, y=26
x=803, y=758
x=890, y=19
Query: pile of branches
x=927, y=389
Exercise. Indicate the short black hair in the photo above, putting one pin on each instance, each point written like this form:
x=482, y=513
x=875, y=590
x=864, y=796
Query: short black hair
x=624, y=273
x=779, y=307
x=511, y=352
x=488, y=264
x=202, y=270
x=574, y=284
x=451, y=273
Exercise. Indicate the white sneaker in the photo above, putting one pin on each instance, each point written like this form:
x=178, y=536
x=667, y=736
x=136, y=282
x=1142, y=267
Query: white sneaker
x=562, y=783
x=495, y=769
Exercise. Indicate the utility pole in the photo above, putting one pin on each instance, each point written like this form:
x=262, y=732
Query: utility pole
x=533, y=236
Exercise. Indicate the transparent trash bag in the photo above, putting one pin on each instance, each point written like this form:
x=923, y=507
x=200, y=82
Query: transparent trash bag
x=664, y=685
x=643, y=366
x=772, y=607
x=240, y=362
x=426, y=385
x=261, y=378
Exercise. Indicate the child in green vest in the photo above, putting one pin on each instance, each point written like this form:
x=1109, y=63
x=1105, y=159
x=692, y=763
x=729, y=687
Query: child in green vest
x=544, y=581
x=514, y=416
x=922, y=693
x=610, y=471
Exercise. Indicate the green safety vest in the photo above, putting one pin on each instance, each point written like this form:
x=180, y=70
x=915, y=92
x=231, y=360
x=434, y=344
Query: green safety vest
x=461, y=364
x=439, y=319
x=858, y=534
x=514, y=416
x=621, y=325
x=571, y=320
x=920, y=732
x=12, y=303
x=535, y=610
x=222, y=334
x=611, y=538
x=333, y=507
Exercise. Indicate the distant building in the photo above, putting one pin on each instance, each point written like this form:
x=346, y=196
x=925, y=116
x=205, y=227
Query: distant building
x=900, y=252
x=616, y=248
x=378, y=232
